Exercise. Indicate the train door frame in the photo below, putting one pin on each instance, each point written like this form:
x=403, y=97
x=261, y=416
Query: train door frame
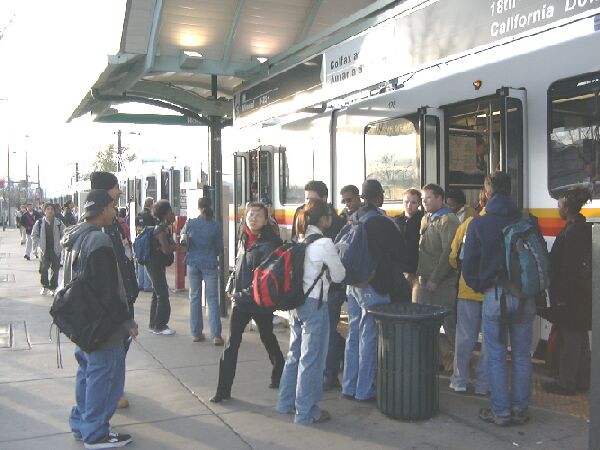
x=515, y=162
x=432, y=174
x=248, y=157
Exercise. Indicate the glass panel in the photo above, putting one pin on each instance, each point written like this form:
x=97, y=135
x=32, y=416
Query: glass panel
x=187, y=174
x=240, y=181
x=131, y=191
x=138, y=192
x=474, y=131
x=151, y=187
x=514, y=147
x=176, y=200
x=392, y=155
x=574, y=135
x=296, y=168
x=122, y=197
x=432, y=148
x=266, y=179
x=164, y=185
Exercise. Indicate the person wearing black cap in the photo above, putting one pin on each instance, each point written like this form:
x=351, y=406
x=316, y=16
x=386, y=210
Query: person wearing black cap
x=100, y=377
x=361, y=343
x=109, y=182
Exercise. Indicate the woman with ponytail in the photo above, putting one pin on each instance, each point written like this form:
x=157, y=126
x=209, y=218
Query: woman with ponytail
x=571, y=294
x=301, y=384
x=204, y=241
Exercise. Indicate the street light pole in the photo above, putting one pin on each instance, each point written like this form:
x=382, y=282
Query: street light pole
x=119, y=151
x=8, y=179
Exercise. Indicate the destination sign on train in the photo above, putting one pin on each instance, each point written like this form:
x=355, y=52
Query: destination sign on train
x=421, y=36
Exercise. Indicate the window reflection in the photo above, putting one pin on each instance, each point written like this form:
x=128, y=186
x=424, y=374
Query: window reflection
x=574, y=135
x=392, y=155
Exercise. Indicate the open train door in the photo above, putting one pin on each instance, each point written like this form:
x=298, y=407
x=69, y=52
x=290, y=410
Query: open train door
x=431, y=125
x=253, y=182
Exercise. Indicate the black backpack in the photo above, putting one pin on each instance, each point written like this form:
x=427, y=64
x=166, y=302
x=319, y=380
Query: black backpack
x=79, y=315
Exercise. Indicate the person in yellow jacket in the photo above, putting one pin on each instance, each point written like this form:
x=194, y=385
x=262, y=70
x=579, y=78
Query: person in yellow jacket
x=468, y=323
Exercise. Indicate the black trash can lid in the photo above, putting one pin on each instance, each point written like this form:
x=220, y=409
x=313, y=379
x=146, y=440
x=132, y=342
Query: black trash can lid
x=408, y=311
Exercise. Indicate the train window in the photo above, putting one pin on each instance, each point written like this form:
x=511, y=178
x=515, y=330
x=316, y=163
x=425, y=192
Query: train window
x=131, y=191
x=187, y=174
x=296, y=167
x=138, y=193
x=151, y=190
x=122, y=197
x=393, y=155
x=574, y=134
x=474, y=130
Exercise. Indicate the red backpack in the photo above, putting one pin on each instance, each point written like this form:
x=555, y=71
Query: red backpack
x=278, y=280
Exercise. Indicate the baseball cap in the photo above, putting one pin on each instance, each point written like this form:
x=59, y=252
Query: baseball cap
x=96, y=201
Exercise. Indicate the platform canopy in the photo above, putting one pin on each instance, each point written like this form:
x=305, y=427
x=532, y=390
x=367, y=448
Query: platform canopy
x=171, y=51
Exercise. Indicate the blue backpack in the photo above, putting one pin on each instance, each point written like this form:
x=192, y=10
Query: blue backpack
x=526, y=259
x=352, y=245
x=142, y=246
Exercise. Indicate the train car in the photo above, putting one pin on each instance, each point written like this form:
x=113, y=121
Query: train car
x=530, y=107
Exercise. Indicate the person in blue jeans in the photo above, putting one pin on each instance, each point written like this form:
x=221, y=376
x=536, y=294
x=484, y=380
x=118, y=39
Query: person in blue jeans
x=301, y=385
x=482, y=267
x=100, y=375
x=361, y=344
x=204, y=241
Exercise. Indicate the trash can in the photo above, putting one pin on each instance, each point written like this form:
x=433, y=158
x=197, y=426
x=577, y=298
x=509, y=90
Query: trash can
x=407, y=359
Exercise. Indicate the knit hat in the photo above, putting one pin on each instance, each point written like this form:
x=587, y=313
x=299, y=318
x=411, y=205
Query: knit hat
x=103, y=180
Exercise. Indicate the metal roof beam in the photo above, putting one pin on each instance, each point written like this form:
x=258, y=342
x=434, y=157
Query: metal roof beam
x=365, y=18
x=232, y=30
x=154, y=35
x=183, y=98
x=206, y=85
x=205, y=67
x=310, y=20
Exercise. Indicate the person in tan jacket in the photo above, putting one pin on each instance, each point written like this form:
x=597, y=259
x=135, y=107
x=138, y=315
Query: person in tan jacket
x=437, y=279
x=468, y=323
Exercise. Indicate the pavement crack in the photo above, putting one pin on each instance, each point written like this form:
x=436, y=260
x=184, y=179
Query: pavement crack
x=206, y=405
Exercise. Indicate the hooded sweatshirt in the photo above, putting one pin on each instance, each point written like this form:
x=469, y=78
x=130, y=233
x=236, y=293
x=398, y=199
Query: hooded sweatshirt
x=484, y=248
x=89, y=253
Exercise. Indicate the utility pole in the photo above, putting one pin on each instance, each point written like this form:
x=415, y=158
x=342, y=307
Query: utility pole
x=26, y=179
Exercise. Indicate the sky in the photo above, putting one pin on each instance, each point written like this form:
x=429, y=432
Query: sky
x=51, y=53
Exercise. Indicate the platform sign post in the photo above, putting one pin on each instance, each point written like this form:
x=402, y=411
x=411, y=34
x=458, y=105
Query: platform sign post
x=594, y=433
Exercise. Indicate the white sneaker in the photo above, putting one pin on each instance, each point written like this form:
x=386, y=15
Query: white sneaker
x=51, y=292
x=44, y=291
x=458, y=388
x=166, y=332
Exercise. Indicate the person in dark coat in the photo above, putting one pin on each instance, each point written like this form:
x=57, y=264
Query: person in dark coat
x=571, y=294
x=257, y=242
x=409, y=224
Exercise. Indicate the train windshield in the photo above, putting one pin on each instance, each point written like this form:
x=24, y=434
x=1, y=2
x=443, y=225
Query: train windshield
x=574, y=134
x=393, y=155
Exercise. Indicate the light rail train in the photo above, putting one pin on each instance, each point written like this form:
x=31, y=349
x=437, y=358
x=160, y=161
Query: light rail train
x=530, y=107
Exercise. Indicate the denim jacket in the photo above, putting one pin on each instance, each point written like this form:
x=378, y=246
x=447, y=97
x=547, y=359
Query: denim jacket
x=204, y=242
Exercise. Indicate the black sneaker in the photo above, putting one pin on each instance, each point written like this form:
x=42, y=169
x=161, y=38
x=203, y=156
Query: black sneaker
x=518, y=416
x=487, y=415
x=113, y=440
x=553, y=387
x=330, y=383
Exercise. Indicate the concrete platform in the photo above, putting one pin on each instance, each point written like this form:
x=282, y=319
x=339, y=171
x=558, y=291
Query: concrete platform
x=170, y=379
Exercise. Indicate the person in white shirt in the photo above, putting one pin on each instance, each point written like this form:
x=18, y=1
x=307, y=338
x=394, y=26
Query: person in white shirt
x=301, y=385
